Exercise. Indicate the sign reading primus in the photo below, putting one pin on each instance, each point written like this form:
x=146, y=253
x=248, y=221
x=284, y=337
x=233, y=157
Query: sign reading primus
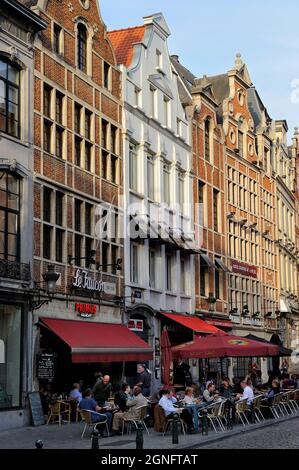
x=83, y=281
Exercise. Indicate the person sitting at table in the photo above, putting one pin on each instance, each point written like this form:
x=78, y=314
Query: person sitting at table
x=167, y=402
x=102, y=389
x=122, y=396
x=226, y=390
x=209, y=395
x=189, y=398
x=133, y=410
x=88, y=403
x=247, y=392
x=75, y=393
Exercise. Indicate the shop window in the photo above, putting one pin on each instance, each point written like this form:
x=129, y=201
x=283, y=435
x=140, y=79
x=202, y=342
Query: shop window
x=10, y=362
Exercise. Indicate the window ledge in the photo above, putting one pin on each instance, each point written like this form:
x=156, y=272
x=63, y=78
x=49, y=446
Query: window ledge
x=137, y=194
x=155, y=290
x=17, y=140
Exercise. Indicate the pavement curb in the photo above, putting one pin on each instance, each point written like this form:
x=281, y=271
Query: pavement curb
x=246, y=430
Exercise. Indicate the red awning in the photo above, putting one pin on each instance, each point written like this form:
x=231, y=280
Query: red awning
x=193, y=323
x=100, y=342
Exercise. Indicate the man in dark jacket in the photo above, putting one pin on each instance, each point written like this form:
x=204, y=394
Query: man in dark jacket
x=121, y=397
x=144, y=380
x=102, y=389
x=182, y=376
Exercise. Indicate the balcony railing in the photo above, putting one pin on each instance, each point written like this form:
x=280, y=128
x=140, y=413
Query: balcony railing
x=13, y=270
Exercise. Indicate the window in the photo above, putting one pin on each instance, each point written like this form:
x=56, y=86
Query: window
x=168, y=272
x=78, y=249
x=47, y=204
x=88, y=211
x=78, y=151
x=104, y=134
x=216, y=209
x=166, y=105
x=217, y=284
x=166, y=181
x=203, y=276
x=59, y=142
x=105, y=157
x=201, y=202
x=134, y=264
x=57, y=39
x=82, y=47
x=47, y=238
x=9, y=217
x=240, y=142
x=107, y=75
x=183, y=276
x=78, y=206
x=105, y=254
x=59, y=245
x=59, y=208
x=47, y=135
x=133, y=162
x=151, y=177
x=158, y=59
x=47, y=100
x=207, y=140
x=181, y=187
x=113, y=139
x=137, y=94
x=114, y=256
x=77, y=118
x=59, y=107
x=88, y=125
x=113, y=161
x=11, y=327
x=9, y=98
x=152, y=268
x=153, y=102
x=87, y=156
x=88, y=249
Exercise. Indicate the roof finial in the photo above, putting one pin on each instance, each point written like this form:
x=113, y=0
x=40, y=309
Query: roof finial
x=296, y=133
x=238, y=61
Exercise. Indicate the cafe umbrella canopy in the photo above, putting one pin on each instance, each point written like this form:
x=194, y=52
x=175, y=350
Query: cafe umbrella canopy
x=223, y=345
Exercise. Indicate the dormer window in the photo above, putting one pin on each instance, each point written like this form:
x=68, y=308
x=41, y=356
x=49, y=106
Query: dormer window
x=158, y=60
x=82, y=47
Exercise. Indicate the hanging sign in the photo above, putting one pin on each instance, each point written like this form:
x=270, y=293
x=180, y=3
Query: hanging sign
x=86, y=310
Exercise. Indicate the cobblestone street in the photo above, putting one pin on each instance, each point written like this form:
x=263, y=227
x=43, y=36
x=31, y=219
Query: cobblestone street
x=279, y=436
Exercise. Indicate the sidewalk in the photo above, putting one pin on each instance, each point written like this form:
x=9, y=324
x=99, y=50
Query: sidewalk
x=68, y=437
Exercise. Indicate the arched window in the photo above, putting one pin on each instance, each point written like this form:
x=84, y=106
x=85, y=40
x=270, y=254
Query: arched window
x=82, y=47
x=207, y=139
x=9, y=97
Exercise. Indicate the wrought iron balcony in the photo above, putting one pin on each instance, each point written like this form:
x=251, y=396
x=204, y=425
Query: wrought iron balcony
x=14, y=270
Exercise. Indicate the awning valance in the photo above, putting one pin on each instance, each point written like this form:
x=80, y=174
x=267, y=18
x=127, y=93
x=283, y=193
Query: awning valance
x=99, y=342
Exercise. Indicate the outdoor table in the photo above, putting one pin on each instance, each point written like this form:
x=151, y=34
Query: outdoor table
x=194, y=409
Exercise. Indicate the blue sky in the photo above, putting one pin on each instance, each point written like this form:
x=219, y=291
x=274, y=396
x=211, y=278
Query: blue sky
x=207, y=34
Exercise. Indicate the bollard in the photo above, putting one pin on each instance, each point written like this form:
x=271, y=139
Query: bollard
x=205, y=428
x=95, y=439
x=39, y=444
x=139, y=435
x=175, y=430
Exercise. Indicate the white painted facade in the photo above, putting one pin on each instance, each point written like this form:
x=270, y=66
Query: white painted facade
x=156, y=130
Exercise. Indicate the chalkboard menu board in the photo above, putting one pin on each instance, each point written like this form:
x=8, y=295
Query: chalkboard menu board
x=37, y=413
x=46, y=366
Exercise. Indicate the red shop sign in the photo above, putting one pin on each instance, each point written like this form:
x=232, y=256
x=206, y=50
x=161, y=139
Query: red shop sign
x=244, y=269
x=86, y=310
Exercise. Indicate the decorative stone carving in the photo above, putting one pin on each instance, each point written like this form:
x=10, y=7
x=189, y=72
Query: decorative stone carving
x=70, y=7
x=85, y=4
x=232, y=136
x=231, y=108
x=14, y=53
x=95, y=28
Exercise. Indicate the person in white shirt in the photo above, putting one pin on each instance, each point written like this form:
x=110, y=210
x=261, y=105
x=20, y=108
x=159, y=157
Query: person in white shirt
x=167, y=403
x=247, y=393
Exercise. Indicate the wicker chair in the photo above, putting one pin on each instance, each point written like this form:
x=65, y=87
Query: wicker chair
x=142, y=412
x=213, y=415
x=241, y=409
x=60, y=412
x=257, y=403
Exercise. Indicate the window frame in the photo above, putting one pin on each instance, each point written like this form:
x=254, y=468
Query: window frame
x=6, y=84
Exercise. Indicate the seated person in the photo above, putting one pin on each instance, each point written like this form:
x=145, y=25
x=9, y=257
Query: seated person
x=275, y=389
x=226, y=390
x=75, y=393
x=209, y=395
x=167, y=402
x=247, y=392
x=189, y=397
x=121, y=397
x=138, y=401
x=102, y=389
x=88, y=403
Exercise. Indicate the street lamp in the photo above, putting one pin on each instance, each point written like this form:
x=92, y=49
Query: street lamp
x=50, y=277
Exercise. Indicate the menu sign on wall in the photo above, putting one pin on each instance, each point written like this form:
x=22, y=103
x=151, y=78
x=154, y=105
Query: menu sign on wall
x=244, y=269
x=46, y=366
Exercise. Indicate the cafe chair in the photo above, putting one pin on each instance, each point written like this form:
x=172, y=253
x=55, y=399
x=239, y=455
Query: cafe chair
x=86, y=416
x=257, y=403
x=241, y=409
x=60, y=412
x=142, y=411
